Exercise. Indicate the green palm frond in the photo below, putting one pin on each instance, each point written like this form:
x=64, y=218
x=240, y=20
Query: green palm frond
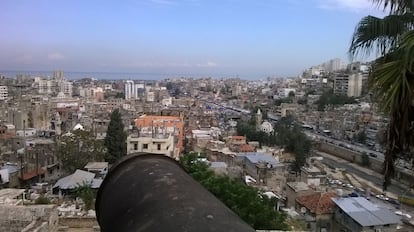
x=392, y=80
x=379, y=35
x=395, y=6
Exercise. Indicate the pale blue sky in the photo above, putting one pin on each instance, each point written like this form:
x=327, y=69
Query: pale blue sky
x=249, y=38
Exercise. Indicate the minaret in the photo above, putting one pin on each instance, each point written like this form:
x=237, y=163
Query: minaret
x=258, y=120
x=58, y=124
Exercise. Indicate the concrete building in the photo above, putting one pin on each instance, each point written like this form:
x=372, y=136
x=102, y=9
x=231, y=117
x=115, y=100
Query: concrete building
x=28, y=218
x=348, y=84
x=4, y=93
x=66, y=88
x=317, y=210
x=162, y=144
x=358, y=214
x=261, y=166
x=129, y=90
x=132, y=90
x=295, y=190
x=333, y=65
x=162, y=127
x=45, y=86
x=58, y=75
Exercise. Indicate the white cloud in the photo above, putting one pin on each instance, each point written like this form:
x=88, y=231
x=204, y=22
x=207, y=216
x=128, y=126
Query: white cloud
x=349, y=5
x=55, y=56
x=208, y=64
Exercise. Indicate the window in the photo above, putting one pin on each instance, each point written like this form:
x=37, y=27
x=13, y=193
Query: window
x=158, y=147
x=145, y=146
x=135, y=146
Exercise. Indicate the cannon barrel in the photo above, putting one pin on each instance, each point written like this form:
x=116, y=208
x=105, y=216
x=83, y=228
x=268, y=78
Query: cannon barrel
x=147, y=192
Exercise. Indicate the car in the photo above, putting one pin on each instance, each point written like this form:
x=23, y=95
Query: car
x=373, y=155
x=393, y=201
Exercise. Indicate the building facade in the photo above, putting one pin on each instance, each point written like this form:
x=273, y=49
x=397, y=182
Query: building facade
x=162, y=127
x=4, y=93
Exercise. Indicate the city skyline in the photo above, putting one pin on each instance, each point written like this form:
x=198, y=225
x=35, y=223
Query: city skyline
x=250, y=39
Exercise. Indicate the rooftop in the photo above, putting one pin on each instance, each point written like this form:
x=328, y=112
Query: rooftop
x=33, y=173
x=298, y=186
x=218, y=165
x=96, y=165
x=246, y=148
x=366, y=213
x=318, y=203
x=9, y=193
x=236, y=137
x=72, y=181
x=255, y=158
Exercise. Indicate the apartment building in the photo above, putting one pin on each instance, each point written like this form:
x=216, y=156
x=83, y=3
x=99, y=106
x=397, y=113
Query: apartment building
x=158, y=134
x=4, y=93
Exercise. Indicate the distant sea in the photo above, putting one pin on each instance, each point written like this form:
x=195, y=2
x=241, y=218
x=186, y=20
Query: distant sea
x=104, y=75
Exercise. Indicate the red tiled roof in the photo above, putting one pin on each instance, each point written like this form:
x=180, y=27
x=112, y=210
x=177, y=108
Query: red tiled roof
x=246, y=148
x=33, y=173
x=238, y=137
x=319, y=203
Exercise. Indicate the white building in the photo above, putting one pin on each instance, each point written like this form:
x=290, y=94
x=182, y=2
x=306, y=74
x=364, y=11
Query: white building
x=132, y=90
x=66, y=88
x=4, y=92
x=333, y=65
x=150, y=96
x=284, y=92
x=129, y=89
x=159, y=145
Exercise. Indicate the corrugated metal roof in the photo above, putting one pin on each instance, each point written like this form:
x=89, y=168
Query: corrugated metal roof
x=78, y=178
x=218, y=165
x=255, y=158
x=366, y=213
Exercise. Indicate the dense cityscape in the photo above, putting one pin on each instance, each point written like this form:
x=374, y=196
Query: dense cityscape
x=192, y=115
x=313, y=142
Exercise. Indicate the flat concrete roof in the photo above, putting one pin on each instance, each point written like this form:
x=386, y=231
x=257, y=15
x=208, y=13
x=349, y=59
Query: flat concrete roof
x=10, y=193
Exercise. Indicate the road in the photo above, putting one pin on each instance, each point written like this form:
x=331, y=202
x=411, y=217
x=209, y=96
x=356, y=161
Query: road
x=350, y=168
x=375, y=179
x=353, y=147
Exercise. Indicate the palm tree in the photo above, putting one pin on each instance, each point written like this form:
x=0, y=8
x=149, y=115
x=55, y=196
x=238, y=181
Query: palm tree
x=392, y=77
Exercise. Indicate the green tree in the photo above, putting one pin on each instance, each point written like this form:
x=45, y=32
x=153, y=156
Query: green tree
x=254, y=208
x=30, y=121
x=329, y=98
x=248, y=129
x=290, y=136
x=42, y=200
x=115, y=140
x=392, y=76
x=87, y=195
x=361, y=137
x=78, y=148
x=119, y=95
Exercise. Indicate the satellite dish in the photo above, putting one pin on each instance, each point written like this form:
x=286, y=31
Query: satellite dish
x=303, y=210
